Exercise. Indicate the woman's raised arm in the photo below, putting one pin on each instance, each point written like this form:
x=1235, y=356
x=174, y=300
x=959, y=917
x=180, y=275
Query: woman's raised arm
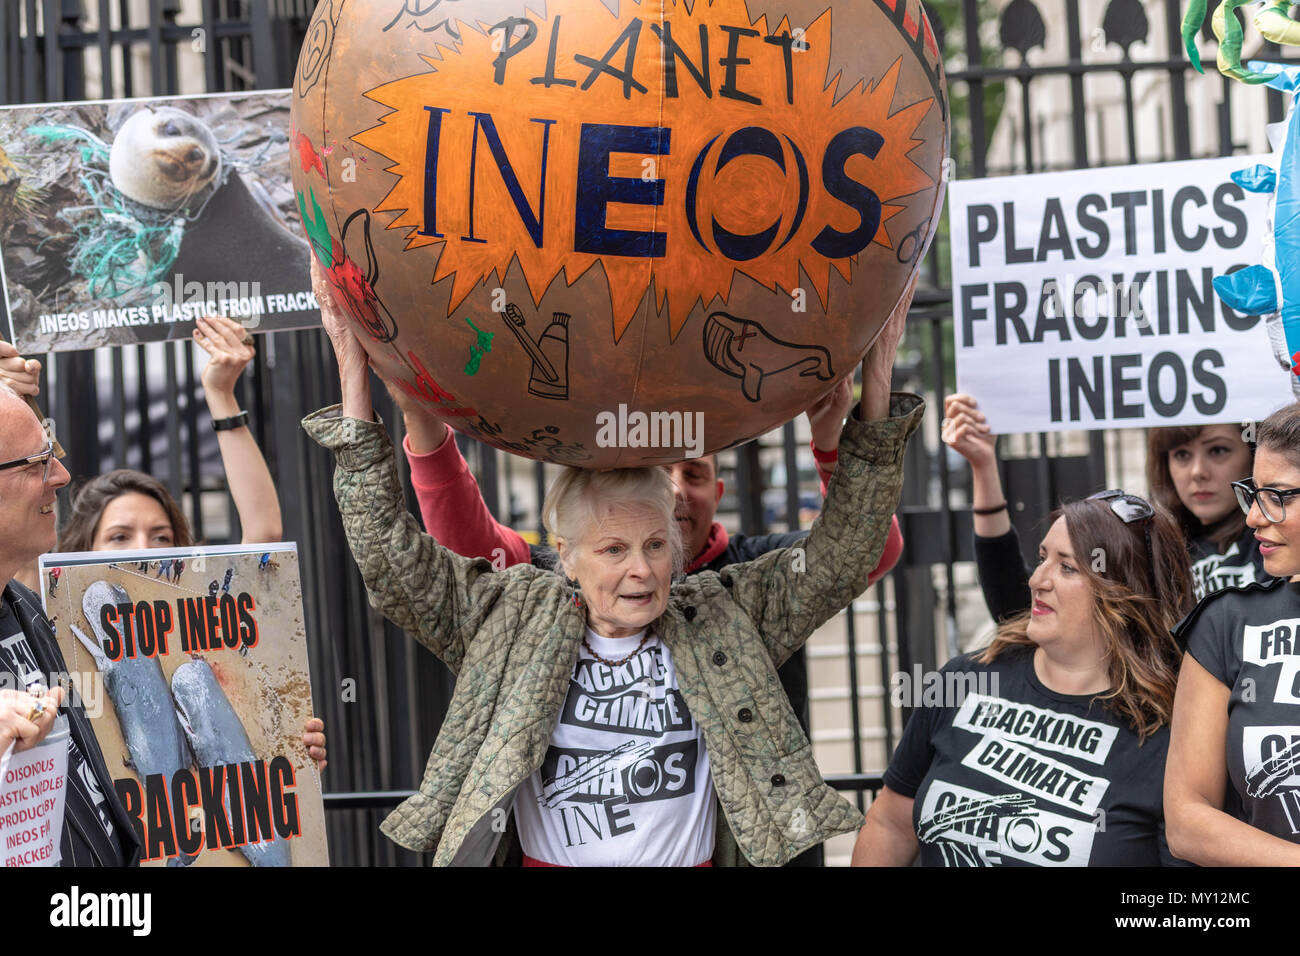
x=247, y=476
x=421, y=586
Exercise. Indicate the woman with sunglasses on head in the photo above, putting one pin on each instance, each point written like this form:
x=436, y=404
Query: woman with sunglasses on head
x=1189, y=469
x=1052, y=750
x=1232, y=786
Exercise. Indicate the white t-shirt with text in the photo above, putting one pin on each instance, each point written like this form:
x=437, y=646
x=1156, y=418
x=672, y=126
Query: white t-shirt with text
x=625, y=781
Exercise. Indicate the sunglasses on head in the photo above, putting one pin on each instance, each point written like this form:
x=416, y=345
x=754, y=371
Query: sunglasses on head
x=1130, y=508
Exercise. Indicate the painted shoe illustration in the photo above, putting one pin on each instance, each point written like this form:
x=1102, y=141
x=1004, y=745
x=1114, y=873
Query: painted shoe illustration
x=745, y=350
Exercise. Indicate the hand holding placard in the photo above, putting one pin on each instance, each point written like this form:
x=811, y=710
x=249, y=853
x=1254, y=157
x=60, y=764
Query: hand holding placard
x=32, y=785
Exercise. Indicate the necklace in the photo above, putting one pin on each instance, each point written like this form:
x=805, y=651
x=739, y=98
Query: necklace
x=592, y=652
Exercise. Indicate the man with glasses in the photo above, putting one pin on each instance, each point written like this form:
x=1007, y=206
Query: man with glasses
x=96, y=830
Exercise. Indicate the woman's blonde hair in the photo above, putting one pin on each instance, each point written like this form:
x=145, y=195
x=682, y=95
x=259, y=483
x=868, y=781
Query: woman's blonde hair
x=579, y=498
x=1137, y=599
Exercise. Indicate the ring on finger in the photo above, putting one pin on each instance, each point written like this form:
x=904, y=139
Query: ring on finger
x=37, y=710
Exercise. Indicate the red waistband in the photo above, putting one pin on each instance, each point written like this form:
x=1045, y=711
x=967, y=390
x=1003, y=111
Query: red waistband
x=529, y=861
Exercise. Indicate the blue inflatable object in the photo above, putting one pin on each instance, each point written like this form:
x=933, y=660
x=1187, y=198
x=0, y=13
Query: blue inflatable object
x=1286, y=216
x=1275, y=292
x=1251, y=290
x=1258, y=179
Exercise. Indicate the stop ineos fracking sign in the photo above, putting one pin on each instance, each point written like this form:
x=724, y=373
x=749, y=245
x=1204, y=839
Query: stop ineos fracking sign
x=1083, y=299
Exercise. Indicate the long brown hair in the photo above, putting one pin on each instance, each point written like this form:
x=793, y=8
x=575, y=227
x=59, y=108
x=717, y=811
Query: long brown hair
x=1160, y=442
x=92, y=497
x=1133, y=620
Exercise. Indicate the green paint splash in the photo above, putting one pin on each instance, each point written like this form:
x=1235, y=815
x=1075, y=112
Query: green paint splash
x=479, y=349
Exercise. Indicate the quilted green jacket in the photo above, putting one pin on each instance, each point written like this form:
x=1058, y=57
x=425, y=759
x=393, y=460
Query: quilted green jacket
x=512, y=638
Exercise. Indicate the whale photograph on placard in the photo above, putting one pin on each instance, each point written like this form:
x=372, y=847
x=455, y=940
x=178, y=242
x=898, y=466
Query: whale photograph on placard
x=121, y=222
x=191, y=664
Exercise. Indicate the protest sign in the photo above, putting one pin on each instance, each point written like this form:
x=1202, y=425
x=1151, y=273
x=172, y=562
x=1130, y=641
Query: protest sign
x=123, y=221
x=1084, y=300
x=31, y=799
x=202, y=655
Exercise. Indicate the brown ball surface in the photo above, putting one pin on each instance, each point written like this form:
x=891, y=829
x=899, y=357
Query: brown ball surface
x=609, y=239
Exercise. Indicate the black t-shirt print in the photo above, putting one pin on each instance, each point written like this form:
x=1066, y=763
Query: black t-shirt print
x=1249, y=640
x=1240, y=565
x=1018, y=775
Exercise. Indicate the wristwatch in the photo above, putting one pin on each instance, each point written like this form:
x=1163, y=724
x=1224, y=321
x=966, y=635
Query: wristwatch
x=231, y=423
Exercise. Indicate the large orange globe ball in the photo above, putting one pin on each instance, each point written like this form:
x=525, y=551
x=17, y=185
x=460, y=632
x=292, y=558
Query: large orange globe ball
x=605, y=233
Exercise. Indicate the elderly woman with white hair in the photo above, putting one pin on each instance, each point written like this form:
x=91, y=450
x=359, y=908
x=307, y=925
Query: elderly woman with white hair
x=612, y=712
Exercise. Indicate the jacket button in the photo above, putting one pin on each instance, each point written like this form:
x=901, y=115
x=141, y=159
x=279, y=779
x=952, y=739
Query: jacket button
x=688, y=612
x=778, y=780
x=745, y=715
x=719, y=658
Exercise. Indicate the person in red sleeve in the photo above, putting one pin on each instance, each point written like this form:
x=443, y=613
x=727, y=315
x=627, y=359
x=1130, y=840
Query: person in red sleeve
x=453, y=510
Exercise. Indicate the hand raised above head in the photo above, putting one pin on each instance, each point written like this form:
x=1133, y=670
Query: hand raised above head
x=965, y=430
x=231, y=349
x=826, y=415
x=335, y=320
x=878, y=365
x=20, y=374
x=353, y=361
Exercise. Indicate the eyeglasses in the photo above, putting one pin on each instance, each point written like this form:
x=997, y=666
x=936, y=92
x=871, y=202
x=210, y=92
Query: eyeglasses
x=1272, y=501
x=1130, y=508
x=40, y=458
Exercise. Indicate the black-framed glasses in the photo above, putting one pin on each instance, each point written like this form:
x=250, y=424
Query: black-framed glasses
x=43, y=457
x=1129, y=509
x=1272, y=501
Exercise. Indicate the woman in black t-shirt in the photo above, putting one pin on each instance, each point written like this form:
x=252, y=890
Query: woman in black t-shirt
x=1048, y=747
x=1190, y=471
x=1237, y=712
